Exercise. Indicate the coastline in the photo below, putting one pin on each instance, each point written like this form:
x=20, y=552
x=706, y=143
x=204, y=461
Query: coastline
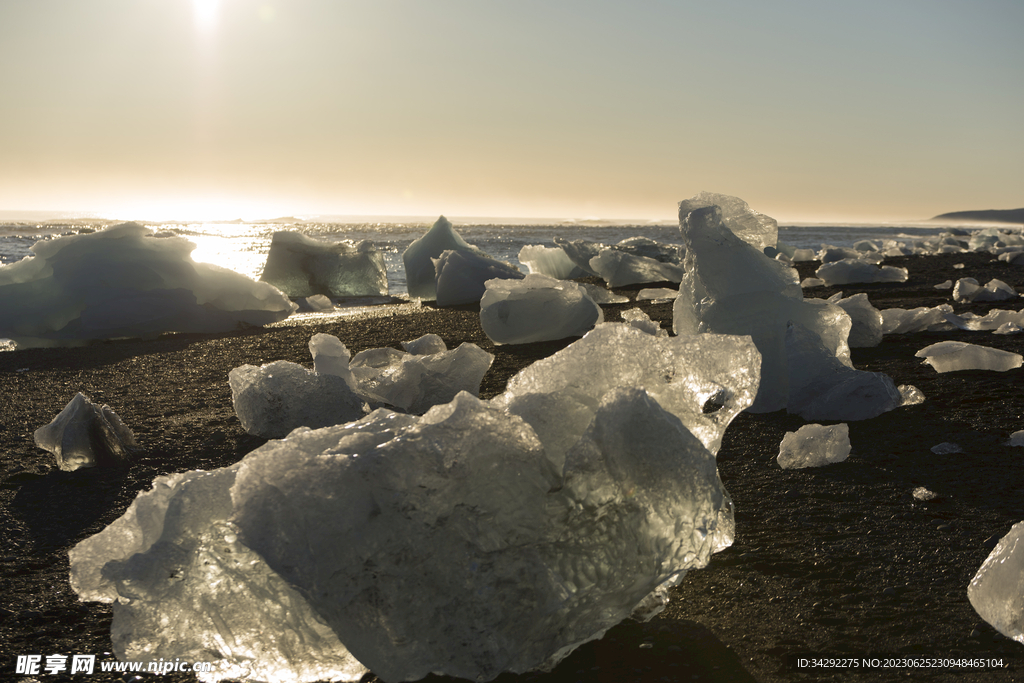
x=838, y=561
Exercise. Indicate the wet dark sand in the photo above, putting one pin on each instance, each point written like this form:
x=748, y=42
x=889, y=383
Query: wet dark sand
x=839, y=561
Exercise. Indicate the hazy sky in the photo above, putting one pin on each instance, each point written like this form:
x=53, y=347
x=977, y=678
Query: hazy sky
x=817, y=109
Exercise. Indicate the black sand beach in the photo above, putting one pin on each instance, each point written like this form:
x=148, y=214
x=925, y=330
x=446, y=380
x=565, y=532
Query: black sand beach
x=838, y=562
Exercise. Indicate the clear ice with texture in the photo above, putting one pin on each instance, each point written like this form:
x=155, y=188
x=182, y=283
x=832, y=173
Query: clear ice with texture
x=967, y=289
x=867, y=320
x=952, y=356
x=301, y=266
x=814, y=445
x=756, y=229
x=420, y=273
x=550, y=261
x=997, y=591
x=537, y=308
x=858, y=270
x=619, y=269
x=460, y=276
x=85, y=434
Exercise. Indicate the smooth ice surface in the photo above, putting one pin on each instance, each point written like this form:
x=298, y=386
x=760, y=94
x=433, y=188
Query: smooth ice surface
x=415, y=382
x=754, y=228
x=550, y=261
x=814, y=445
x=460, y=276
x=684, y=374
x=657, y=294
x=946, y=448
x=272, y=400
x=1016, y=439
x=317, y=302
x=997, y=591
x=418, y=258
x=809, y=282
x=537, y=308
x=426, y=345
x=867, y=321
x=967, y=289
x=851, y=271
x=124, y=282
x=951, y=356
x=619, y=269
x=302, y=266
x=86, y=435
x=905, y=321
x=823, y=388
x=331, y=357
x=945, y=284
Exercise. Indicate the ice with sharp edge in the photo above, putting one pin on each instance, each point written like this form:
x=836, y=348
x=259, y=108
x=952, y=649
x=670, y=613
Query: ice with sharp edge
x=123, y=282
x=967, y=289
x=756, y=229
x=301, y=266
x=814, y=445
x=995, y=591
x=867, y=320
x=550, y=261
x=537, y=308
x=460, y=276
x=952, y=356
x=85, y=434
x=619, y=269
x=420, y=273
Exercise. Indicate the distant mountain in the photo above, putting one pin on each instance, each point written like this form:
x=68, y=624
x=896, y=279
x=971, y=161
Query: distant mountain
x=990, y=215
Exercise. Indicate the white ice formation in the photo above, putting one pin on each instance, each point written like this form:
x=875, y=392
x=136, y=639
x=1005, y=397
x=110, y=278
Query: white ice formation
x=951, y=356
x=756, y=229
x=302, y=266
x=923, y=495
x=124, y=282
x=641, y=321
x=580, y=252
x=550, y=261
x=967, y=289
x=460, y=276
x=995, y=591
x=426, y=345
x=619, y=269
x=537, y=308
x=905, y=321
x=814, y=445
x=851, y=271
x=86, y=435
x=657, y=294
x=945, y=284
x=420, y=273
x=469, y=541
x=910, y=395
x=991, y=321
x=867, y=320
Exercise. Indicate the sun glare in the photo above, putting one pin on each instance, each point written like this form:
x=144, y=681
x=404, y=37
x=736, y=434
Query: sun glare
x=205, y=12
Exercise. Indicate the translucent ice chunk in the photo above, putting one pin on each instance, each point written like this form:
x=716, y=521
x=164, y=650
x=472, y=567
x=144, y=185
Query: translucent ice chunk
x=426, y=345
x=1016, y=439
x=910, y=395
x=951, y=356
x=460, y=276
x=657, y=294
x=850, y=271
x=580, y=252
x=641, y=321
x=420, y=273
x=809, y=282
x=331, y=357
x=904, y=321
x=754, y=228
x=867, y=321
x=946, y=448
x=992, y=320
x=302, y=266
x=924, y=495
x=550, y=261
x=968, y=289
x=814, y=445
x=86, y=435
x=995, y=591
x=537, y=308
x=620, y=269
x=945, y=284
x=601, y=295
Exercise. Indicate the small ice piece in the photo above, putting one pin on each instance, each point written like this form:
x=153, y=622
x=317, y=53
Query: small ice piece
x=904, y=321
x=86, y=435
x=657, y=294
x=967, y=289
x=809, y=282
x=867, y=321
x=317, y=302
x=426, y=345
x=910, y=394
x=420, y=272
x=924, y=495
x=641, y=321
x=851, y=271
x=331, y=357
x=995, y=591
x=550, y=261
x=537, y=308
x=601, y=295
x=948, y=284
x=831, y=254
x=1008, y=328
x=272, y=400
x=992, y=320
x=1016, y=439
x=814, y=445
x=946, y=448
x=951, y=356
x=803, y=255
x=648, y=248
x=756, y=229
x=460, y=276
x=302, y=266
x=619, y=269
x=958, y=266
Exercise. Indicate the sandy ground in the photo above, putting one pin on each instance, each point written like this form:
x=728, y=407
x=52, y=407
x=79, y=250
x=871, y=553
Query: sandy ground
x=837, y=562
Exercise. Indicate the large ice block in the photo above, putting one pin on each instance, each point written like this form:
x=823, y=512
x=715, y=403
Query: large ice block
x=619, y=269
x=460, y=276
x=301, y=266
x=419, y=256
x=997, y=591
x=550, y=261
x=123, y=282
x=867, y=320
x=757, y=229
x=814, y=445
x=967, y=289
x=537, y=308
x=951, y=356
x=86, y=435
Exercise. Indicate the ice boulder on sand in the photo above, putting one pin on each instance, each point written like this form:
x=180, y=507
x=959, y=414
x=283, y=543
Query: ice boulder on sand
x=997, y=591
x=450, y=543
x=756, y=229
x=124, y=282
x=851, y=271
x=951, y=356
x=867, y=320
x=301, y=266
x=967, y=289
x=814, y=445
x=550, y=261
x=460, y=276
x=641, y=321
x=905, y=321
x=420, y=273
x=619, y=269
x=538, y=308
x=86, y=435
x=426, y=345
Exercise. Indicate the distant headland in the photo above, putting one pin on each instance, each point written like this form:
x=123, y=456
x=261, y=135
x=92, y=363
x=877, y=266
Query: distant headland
x=989, y=215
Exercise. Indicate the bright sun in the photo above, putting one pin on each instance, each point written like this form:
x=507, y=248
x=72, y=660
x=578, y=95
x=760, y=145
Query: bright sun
x=205, y=12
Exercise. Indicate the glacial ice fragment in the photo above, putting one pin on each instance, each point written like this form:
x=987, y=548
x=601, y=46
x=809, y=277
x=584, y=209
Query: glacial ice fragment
x=600, y=295
x=550, y=261
x=809, y=282
x=641, y=321
x=997, y=591
x=945, y=284
x=904, y=321
x=537, y=308
x=86, y=435
x=967, y=289
x=991, y=321
x=331, y=357
x=460, y=276
x=420, y=273
x=951, y=356
x=301, y=266
x=851, y=271
x=620, y=269
x=946, y=448
x=1016, y=439
x=122, y=282
x=272, y=400
x=657, y=294
x=580, y=252
x=756, y=229
x=867, y=321
x=910, y=395
x=923, y=495
x=814, y=445
x=426, y=345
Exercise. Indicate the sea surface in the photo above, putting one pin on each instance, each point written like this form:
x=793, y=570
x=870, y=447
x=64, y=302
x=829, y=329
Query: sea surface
x=243, y=246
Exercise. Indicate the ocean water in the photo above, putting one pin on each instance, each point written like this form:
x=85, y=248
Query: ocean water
x=243, y=247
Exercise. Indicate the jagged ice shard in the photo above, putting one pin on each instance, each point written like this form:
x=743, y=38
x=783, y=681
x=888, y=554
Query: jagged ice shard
x=814, y=445
x=756, y=229
x=86, y=435
x=418, y=257
x=951, y=356
x=124, y=282
x=619, y=269
x=537, y=308
x=301, y=266
x=997, y=591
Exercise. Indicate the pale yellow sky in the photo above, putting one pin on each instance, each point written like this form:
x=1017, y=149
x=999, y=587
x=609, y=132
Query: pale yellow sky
x=179, y=109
